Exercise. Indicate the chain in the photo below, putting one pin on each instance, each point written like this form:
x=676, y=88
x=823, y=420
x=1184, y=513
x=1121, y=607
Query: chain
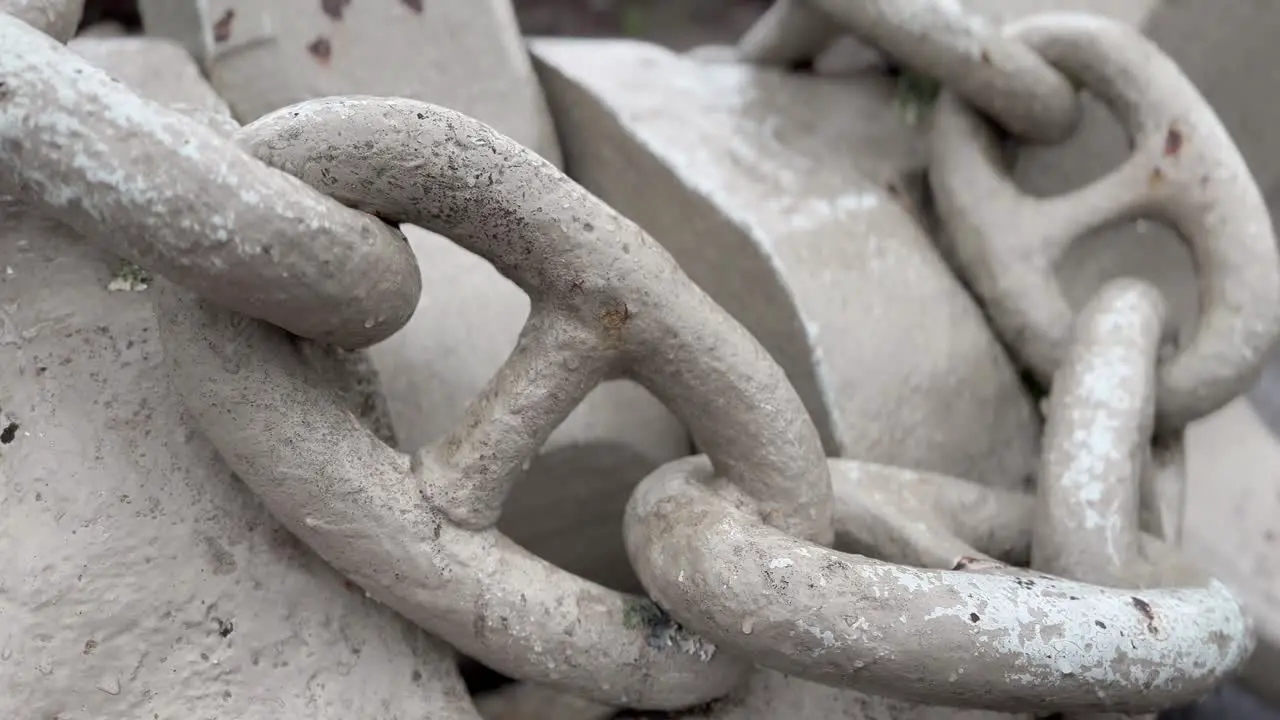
x=1184, y=169
x=732, y=544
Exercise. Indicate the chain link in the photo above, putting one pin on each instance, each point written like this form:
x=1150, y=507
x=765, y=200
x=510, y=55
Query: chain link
x=1184, y=169
x=607, y=300
x=166, y=192
x=1005, y=78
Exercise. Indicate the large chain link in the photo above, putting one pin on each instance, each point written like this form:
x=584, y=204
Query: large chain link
x=732, y=544
x=1006, y=79
x=187, y=204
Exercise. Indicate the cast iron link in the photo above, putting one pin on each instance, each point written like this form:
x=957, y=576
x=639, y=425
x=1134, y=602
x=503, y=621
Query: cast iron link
x=938, y=38
x=417, y=532
x=166, y=192
x=1185, y=168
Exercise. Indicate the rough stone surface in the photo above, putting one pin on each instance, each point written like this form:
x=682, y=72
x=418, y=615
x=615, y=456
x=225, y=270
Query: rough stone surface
x=140, y=578
x=788, y=199
x=567, y=507
x=466, y=55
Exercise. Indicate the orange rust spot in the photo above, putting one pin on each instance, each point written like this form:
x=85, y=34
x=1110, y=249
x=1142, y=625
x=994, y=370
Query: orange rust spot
x=1173, y=141
x=414, y=5
x=321, y=49
x=1156, y=179
x=615, y=318
x=222, y=28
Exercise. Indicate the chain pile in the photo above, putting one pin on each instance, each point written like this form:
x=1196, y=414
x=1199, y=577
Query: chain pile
x=286, y=227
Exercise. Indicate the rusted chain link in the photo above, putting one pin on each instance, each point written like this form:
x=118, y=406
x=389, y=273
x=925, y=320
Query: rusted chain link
x=1003, y=77
x=1184, y=169
x=417, y=532
x=168, y=193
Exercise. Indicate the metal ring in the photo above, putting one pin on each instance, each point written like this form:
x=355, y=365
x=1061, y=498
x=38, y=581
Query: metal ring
x=172, y=195
x=1184, y=169
x=55, y=18
x=417, y=532
x=982, y=636
x=1006, y=79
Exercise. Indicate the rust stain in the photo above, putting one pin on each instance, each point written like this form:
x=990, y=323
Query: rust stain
x=320, y=49
x=1144, y=608
x=414, y=5
x=1173, y=141
x=222, y=28
x=615, y=318
x=1156, y=179
x=334, y=8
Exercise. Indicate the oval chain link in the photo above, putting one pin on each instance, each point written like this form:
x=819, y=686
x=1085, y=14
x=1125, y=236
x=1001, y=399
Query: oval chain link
x=1184, y=168
x=417, y=532
x=1006, y=79
x=168, y=193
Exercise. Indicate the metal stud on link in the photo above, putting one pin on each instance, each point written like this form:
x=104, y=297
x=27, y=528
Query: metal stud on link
x=1007, y=80
x=1184, y=169
x=170, y=194
x=55, y=18
x=417, y=532
x=983, y=636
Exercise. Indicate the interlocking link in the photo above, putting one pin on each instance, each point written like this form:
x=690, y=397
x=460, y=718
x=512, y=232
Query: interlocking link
x=168, y=193
x=1184, y=169
x=1000, y=639
x=417, y=532
x=1003, y=77
x=1097, y=444
x=55, y=18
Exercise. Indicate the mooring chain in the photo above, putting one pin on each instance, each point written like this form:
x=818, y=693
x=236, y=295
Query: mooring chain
x=732, y=544
x=188, y=205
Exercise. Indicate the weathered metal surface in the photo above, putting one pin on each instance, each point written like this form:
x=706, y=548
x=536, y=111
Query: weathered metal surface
x=1184, y=169
x=172, y=195
x=798, y=221
x=138, y=577
x=996, y=641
